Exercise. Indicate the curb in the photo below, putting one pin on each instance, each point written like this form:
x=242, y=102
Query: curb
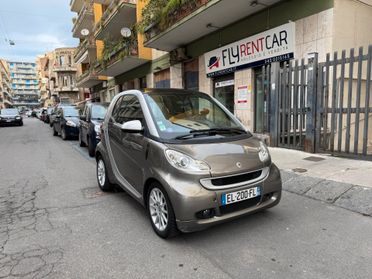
x=349, y=196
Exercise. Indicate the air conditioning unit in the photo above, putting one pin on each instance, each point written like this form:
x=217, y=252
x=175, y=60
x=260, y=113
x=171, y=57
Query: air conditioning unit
x=178, y=55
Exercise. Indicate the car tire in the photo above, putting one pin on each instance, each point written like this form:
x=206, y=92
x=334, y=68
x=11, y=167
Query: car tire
x=159, y=206
x=91, y=149
x=63, y=133
x=21, y=124
x=81, y=143
x=55, y=133
x=102, y=178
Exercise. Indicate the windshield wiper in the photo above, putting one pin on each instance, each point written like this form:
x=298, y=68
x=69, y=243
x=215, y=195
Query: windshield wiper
x=211, y=132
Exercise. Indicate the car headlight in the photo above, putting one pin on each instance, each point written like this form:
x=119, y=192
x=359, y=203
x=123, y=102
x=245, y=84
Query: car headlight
x=263, y=152
x=97, y=128
x=70, y=123
x=18, y=117
x=184, y=162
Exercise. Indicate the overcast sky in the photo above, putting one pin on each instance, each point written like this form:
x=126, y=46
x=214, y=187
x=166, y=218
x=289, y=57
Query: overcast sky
x=35, y=26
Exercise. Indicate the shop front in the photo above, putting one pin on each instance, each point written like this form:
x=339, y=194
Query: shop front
x=241, y=73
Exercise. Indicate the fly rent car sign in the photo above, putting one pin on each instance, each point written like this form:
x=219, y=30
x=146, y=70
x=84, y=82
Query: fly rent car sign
x=274, y=45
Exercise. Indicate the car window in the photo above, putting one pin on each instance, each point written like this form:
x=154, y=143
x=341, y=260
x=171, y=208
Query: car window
x=98, y=112
x=70, y=112
x=129, y=109
x=115, y=111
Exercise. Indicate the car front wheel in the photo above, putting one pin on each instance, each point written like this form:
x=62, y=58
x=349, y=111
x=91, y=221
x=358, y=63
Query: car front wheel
x=63, y=133
x=81, y=143
x=161, y=212
x=91, y=149
x=102, y=179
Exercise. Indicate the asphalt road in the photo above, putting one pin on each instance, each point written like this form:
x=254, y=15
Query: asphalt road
x=55, y=223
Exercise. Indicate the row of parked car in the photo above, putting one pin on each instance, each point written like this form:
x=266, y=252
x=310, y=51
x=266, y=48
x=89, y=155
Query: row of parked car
x=80, y=122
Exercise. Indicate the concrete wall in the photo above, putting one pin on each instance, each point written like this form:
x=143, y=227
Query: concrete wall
x=352, y=24
x=315, y=34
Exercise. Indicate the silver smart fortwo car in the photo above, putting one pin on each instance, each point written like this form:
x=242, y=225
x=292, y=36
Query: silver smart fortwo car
x=186, y=158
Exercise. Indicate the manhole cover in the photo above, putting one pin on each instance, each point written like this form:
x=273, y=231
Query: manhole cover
x=314, y=159
x=301, y=170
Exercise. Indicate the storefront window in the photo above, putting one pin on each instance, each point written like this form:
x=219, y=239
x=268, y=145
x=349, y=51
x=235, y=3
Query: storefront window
x=224, y=91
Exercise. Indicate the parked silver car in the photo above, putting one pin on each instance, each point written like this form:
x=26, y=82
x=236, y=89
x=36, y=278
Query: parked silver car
x=186, y=158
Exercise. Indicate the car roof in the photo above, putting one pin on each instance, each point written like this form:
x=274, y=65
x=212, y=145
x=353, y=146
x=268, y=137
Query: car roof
x=171, y=91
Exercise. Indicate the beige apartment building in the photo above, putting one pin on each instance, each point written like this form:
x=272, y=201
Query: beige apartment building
x=57, y=73
x=5, y=87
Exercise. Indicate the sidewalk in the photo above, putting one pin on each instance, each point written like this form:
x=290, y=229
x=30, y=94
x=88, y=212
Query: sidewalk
x=352, y=171
x=342, y=182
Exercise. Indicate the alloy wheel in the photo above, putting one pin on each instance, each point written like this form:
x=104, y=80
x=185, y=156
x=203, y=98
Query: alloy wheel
x=101, y=172
x=158, y=209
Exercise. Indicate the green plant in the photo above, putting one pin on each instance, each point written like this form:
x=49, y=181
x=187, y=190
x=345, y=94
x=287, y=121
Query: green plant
x=164, y=13
x=118, y=48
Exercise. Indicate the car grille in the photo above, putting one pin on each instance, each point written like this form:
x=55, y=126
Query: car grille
x=236, y=178
x=226, y=209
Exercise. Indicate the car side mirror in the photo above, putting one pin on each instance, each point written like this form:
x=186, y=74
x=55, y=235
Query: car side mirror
x=83, y=117
x=133, y=126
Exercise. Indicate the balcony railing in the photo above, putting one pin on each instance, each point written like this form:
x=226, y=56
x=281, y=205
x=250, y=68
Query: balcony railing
x=114, y=51
x=64, y=68
x=159, y=15
x=111, y=10
x=83, y=46
x=87, y=9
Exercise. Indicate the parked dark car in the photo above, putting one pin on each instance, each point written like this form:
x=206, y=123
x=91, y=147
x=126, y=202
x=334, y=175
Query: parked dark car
x=90, y=125
x=48, y=114
x=43, y=114
x=66, y=122
x=10, y=116
x=54, y=111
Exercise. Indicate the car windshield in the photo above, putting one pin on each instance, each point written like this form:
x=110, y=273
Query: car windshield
x=187, y=115
x=99, y=112
x=70, y=112
x=9, y=111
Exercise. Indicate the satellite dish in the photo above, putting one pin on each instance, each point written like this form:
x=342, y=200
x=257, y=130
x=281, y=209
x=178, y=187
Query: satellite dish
x=85, y=32
x=125, y=32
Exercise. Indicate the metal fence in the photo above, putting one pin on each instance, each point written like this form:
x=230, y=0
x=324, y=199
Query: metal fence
x=323, y=107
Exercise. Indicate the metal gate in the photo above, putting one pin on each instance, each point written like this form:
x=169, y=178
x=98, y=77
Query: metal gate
x=323, y=107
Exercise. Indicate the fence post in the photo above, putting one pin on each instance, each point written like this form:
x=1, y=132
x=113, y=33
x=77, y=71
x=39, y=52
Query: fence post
x=311, y=102
x=274, y=101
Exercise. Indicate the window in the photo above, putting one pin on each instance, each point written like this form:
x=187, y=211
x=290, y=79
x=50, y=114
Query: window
x=129, y=109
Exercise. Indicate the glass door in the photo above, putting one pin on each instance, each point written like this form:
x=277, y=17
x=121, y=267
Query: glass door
x=261, y=96
x=224, y=91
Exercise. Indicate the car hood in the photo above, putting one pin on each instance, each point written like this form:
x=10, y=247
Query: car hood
x=225, y=158
x=97, y=122
x=9, y=115
x=73, y=119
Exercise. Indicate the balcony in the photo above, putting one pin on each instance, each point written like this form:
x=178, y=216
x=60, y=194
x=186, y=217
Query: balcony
x=86, y=51
x=89, y=79
x=76, y=5
x=64, y=68
x=193, y=19
x=120, y=56
x=65, y=89
x=119, y=14
x=84, y=20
